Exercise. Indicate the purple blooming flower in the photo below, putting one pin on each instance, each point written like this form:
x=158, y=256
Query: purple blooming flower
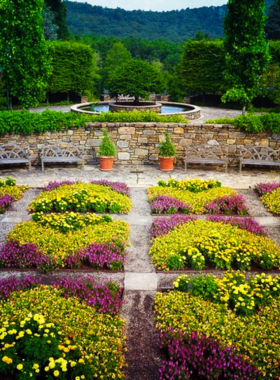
x=105, y=298
x=120, y=187
x=97, y=255
x=54, y=184
x=196, y=356
x=264, y=188
x=13, y=284
x=228, y=204
x=14, y=255
x=164, y=204
x=248, y=224
x=162, y=226
x=5, y=201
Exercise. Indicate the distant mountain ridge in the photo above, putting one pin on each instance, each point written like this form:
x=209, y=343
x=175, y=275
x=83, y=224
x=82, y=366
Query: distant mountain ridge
x=174, y=26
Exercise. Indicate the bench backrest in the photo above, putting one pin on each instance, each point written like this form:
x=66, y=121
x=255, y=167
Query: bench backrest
x=13, y=151
x=57, y=151
x=206, y=151
x=263, y=153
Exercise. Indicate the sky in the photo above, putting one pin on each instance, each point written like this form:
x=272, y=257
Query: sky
x=154, y=5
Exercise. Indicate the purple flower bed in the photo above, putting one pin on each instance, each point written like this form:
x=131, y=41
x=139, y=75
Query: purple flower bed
x=5, y=201
x=120, y=187
x=105, y=298
x=164, y=204
x=245, y=224
x=13, y=284
x=193, y=356
x=228, y=204
x=97, y=255
x=54, y=184
x=264, y=188
x=13, y=255
x=162, y=226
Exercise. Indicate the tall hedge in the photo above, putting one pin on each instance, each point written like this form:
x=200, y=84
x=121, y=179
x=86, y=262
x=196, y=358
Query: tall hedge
x=73, y=67
x=24, y=55
x=202, y=66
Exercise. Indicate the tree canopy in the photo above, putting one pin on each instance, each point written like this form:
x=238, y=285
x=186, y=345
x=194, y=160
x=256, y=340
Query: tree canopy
x=23, y=51
x=134, y=78
x=202, y=66
x=272, y=27
x=59, y=10
x=73, y=67
x=246, y=49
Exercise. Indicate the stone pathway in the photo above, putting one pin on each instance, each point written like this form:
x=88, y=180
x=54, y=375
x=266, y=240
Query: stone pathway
x=140, y=280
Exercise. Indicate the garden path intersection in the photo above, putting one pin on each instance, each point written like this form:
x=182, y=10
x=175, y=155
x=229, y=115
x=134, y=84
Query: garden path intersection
x=139, y=278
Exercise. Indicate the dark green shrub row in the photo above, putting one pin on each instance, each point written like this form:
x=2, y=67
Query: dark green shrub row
x=252, y=123
x=25, y=122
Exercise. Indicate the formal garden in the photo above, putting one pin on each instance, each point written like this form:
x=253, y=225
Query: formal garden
x=218, y=319
x=127, y=271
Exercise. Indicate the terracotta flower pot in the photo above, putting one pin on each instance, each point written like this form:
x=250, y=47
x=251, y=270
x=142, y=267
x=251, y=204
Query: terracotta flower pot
x=106, y=163
x=166, y=163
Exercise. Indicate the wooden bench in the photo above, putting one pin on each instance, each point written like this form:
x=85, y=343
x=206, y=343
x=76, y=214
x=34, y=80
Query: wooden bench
x=14, y=154
x=258, y=155
x=56, y=154
x=206, y=154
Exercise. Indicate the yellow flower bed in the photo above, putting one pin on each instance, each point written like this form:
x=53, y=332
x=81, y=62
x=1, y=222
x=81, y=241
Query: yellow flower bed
x=272, y=201
x=81, y=197
x=15, y=191
x=221, y=244
x=196, y=200
x=52, y=242
x=99, y=337
x=257, y=337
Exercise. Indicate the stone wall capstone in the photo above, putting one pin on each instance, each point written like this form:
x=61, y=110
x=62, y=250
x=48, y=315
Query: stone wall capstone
x=137, y=143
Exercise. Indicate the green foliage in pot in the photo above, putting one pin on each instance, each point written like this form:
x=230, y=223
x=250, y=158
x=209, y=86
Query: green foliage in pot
x=166, y=148
x=106, y=147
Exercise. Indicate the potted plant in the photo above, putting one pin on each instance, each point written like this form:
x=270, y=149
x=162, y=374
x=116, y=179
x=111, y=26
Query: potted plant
x=167, y=153
x=107, y=152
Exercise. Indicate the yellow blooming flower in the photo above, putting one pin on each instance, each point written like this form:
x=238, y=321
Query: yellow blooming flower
x=20, y=366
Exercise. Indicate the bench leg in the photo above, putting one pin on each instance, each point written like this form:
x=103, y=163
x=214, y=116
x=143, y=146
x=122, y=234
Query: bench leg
x=29, y=165
x=226, y=167
x=83, y=165
x=186, y=168
x=42, y=162
x=240, y=167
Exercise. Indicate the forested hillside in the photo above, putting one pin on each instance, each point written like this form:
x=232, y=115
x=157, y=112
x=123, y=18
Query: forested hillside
x=175, y=26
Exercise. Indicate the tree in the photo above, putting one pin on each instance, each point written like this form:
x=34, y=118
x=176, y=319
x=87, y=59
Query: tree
x=272, y=27
x=73, y=67
x=50, y=28
x=202, y=66
x=246, y=49
x=59, y=9
x=23, y=51
x=134, y=78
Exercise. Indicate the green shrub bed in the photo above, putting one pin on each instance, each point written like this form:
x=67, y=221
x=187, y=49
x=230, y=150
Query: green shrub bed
x=218, y=318
x=9, y=192
x=25, y=122
x=200, y=243
x=195, y=197
x=81, y=197
x=49, y=334
x=269, y=122
x=66, y=241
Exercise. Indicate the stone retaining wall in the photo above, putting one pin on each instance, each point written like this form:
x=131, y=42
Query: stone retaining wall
x=137, y=143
